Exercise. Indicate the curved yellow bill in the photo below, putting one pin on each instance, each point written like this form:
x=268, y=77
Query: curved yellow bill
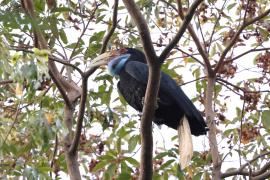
x=103, y=59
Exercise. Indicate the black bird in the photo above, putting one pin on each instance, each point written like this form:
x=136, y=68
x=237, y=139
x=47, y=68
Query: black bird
x=174, y=108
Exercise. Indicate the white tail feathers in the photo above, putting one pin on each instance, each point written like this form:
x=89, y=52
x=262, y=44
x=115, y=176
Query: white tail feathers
x=185, y=143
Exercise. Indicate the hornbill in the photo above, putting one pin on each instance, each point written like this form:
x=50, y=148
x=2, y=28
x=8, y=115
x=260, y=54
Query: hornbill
x=174, y=108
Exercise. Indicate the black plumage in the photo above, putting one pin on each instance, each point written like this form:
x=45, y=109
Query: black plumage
x=172, y=103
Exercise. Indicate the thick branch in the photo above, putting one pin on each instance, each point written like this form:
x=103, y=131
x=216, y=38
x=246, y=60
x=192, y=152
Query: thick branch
x=146, y=164
x=212, y=129
x=181, y=31
x=143, y=31
x=235, y=37
x=69, y=90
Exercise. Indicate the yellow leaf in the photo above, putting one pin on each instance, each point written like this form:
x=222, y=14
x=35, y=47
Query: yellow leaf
x=190, y=171
x=49, y=117
x=19, y=89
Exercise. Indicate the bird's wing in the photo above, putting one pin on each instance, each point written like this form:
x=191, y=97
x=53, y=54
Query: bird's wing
x=169, y=87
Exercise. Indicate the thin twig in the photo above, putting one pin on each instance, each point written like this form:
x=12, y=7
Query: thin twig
x=83, y=32
x=5, y=82
x=111, y=31
x=193, y=80
x=245, y=53
x=53, y=58
x=215, y=25
x=241, y=170
x=240, y=88
x=184, y=26
x=235, y=37
x=241, y=130
x=197, y=42
x=54, y=153
x=15, y=120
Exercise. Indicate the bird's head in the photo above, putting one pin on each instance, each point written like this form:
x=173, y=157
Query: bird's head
x=116, y=59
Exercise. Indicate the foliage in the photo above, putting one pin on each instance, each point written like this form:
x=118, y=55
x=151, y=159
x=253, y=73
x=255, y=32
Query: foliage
x=32, y=129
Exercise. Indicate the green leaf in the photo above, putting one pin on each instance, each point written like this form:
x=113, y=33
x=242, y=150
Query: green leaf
x=106, y=157
x=132, y=161
x=266, y=119
x=230, y=6
x=132, y=143
x=197, y=176
x=124, y=176
x=161, y=155
x=167, y=164
x=63, y=36
x=100, y=165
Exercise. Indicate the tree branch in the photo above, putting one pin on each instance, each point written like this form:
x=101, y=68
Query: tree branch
x=180, y=32
x=76, y=139
x=256, y=174
x=146, y=164
x=212, y=129
x=215, y=25
x=5, y=82
x=111, y=31
x=245, y=53
x=68, y=89
x=143, y=31
x=197, y=42
x=240, y=88
x=236, y=35
x=84, y=29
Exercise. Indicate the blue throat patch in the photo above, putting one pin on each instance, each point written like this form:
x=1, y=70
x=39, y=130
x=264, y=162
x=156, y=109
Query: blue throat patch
x=117, y=64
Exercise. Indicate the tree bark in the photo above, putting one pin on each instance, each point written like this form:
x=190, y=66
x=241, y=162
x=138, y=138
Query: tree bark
x=212, y=129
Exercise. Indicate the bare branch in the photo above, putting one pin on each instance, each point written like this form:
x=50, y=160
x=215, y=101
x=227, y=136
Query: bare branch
x=255, y=174
x=83, y=32
x=53, y=58
x=240, y=88
x=54, y=153
x=245, y=53
x=5, y=82
x=236, y=35
x=111, y=31
x=143, y=31
x=212, y=129
x=193, y=80
x=181, y=31
x=146, y=169
x=184, y=52
x=264, y=175
x=68, y=89
x=76, y=139
x=215, y=25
